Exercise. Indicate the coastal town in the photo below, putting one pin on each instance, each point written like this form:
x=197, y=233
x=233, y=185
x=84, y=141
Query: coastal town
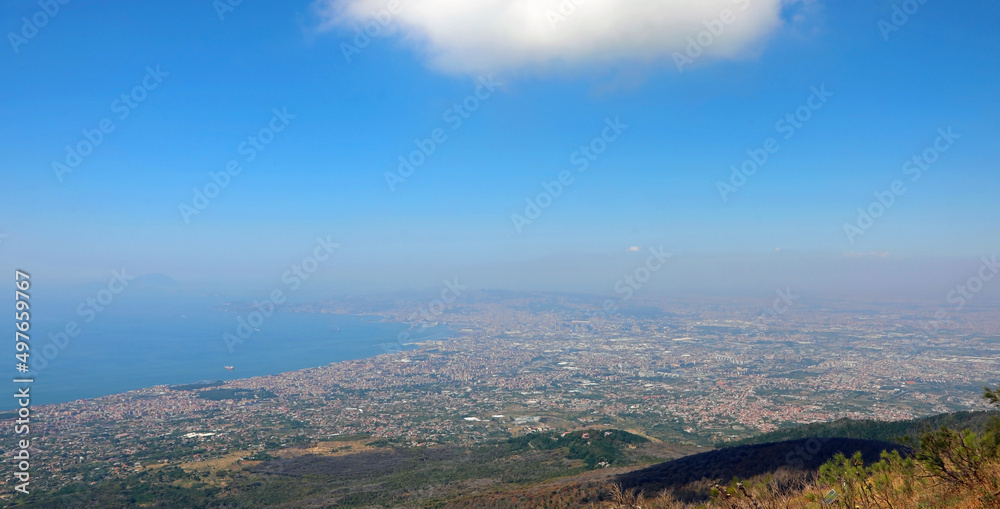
x=691, y=372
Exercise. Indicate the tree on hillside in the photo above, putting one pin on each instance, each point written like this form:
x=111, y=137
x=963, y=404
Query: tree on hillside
x=962, y=458
x=992, y=395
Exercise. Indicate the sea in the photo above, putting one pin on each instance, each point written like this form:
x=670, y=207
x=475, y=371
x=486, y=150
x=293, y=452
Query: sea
x=119, y=352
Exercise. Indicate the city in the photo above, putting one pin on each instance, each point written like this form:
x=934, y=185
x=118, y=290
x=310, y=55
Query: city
x=686, y=372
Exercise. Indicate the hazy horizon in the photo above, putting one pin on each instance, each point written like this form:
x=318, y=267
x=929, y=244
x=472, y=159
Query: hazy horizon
x=570, y=153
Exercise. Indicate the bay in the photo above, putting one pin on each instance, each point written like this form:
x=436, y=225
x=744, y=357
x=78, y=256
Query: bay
x=126, y=352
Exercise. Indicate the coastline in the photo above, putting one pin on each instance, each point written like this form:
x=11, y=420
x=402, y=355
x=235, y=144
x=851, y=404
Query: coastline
x=113, y=362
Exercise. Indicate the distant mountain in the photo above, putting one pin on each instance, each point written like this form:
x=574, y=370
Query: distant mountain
x=872, y=430
x=690, y=477
x=156, y=280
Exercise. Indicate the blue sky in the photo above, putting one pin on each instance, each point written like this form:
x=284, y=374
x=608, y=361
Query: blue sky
x=656, y=184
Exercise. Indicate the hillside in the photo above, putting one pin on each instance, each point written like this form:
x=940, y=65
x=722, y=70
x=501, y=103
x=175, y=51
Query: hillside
x=872, y=430
x=948, y=467
x=357, y=471
x=690, y=477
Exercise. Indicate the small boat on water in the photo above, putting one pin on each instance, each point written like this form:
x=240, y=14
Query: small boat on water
x=230, y=368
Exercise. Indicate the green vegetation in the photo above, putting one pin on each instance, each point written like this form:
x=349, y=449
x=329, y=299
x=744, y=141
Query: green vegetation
x=391, y=476
x=348, y=438
x=196, y=386
x=873, y=430
x=591, y=446
x=237, y=394
x=157, y=488
x=949, y=468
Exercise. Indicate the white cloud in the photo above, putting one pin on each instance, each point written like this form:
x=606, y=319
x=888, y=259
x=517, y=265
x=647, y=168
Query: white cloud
x=494, y=35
